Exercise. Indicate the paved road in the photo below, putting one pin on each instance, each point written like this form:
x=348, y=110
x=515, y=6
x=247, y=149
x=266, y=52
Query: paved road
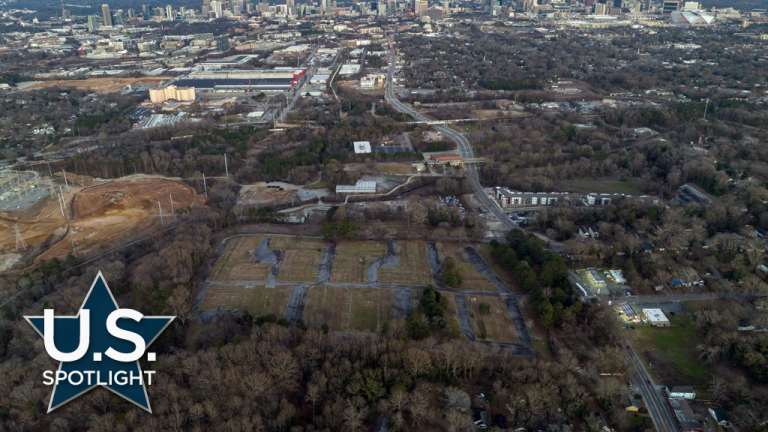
x=465, y=149
x=657, y=406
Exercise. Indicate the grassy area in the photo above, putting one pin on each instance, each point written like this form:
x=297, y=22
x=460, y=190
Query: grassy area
x=352, y=260
x=236, y=262
x=299, y=266
x=471, y=279
x=394, y=168
x=356, y=310
x=494, y=325
x=259, y=300
x=631, y=187
x=414, y=268
x=670, y=352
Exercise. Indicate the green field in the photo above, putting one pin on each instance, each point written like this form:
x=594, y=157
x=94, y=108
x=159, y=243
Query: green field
x=670, y=353
x=355, y=310
x=414, y=268
x=352, y=259
x=495, y=325
x=236, y=262
x=301, y=258
x=471, y=279
x=631, y=186
x=259, y=300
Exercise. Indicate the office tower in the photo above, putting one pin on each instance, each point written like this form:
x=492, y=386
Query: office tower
x=146, y=12
x=222, y=43
x=216, y=7
x=169, y=12
x=65, y=14
x=106, y=15
x=391, y=7
x=670, y=6
x=93, y=22
x=131, y=13
x=601, y=9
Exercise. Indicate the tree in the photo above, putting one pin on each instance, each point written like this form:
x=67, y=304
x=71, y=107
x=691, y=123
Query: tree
x=484, y=308
x=417, y=325
x=419, y=213
x=180, y=304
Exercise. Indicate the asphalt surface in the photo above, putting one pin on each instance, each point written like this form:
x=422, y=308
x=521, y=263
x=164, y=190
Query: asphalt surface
x=465, y=149
x=657, y=406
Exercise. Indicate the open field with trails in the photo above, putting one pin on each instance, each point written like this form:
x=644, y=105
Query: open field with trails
x=414, y=268
x=257, y=299
x=100, y=216
x=471, y=279
x=630, y=186
x=101, y=85
x=670, y=353
x=299, y=266
x=355, y=310
x=495, y=325
x=352, y=260
x=236, y=262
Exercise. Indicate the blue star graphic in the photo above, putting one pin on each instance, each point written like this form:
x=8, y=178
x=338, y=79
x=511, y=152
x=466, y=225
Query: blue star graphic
x=100, y=302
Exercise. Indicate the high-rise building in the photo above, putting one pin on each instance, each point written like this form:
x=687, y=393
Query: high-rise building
x=216, y=8
x=222, y=43
x=601, y=9
x=131, y=13
x=146, y=11
x=93, y=22
x=65, y=14
x=391, y=7
x=106, y=15
x=670, y=6
x=423, y=7
x=169, y=12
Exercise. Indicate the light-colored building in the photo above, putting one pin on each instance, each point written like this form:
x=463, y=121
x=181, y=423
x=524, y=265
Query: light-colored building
x=656, y=317
x=172, y=92
x=362, y=186
x=681, y=392
x=362, y=147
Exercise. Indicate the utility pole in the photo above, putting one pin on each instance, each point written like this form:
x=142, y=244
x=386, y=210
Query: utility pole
x=61, y=205
x=705, y=110
x=20, y=243
x=74, y=252
x=205, y=188
x=65, y=178
x=226, y=169
x=171, y=195
x=161, y=213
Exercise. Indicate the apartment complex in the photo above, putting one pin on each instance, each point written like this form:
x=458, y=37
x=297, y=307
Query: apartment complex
x=172, y=92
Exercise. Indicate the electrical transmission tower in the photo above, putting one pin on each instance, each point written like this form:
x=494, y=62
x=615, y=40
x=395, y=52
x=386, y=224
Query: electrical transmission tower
x=20, y=243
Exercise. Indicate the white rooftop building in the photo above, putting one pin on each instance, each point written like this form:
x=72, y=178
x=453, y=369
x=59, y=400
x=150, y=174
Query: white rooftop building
x=656, y=317
x=362, y=186
x=362, y=147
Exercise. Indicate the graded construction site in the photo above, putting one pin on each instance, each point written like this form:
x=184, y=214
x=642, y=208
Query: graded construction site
x=97, y=216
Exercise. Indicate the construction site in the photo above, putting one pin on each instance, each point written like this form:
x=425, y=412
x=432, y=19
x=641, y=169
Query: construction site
x=76, y=219
x=20, y=190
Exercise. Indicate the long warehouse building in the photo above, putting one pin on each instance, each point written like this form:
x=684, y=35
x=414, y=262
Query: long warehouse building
x=238, y=84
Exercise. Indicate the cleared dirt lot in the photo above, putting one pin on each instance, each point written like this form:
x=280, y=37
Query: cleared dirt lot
x=100, y=85
x=101, y=216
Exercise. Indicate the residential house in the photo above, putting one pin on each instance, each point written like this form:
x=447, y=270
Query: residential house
x=720, y=416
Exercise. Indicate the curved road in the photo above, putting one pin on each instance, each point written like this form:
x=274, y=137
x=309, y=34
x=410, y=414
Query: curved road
x=654, y=402
x=463, y=144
